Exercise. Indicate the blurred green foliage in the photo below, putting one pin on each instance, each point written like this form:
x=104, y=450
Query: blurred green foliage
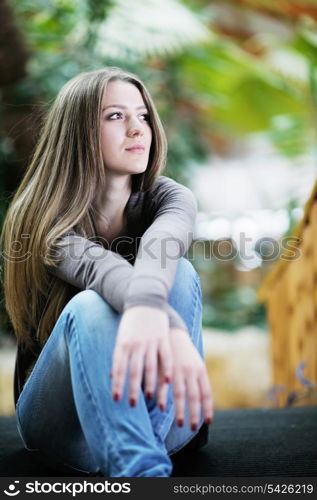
x=229, y=294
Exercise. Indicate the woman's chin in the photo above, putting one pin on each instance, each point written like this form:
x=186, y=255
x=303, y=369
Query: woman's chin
x=132, y=168
x=136, y=169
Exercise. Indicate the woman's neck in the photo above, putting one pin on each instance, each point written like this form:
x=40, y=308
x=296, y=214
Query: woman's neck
x=111, y=201
x=109, y=218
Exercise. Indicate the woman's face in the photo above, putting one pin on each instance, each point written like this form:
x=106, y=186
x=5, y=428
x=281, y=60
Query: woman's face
x=125, y=132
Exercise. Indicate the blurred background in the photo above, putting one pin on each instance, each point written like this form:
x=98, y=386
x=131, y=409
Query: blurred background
x=235, y=85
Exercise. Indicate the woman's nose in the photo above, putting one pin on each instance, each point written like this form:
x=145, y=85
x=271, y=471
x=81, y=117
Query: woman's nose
x=135, y=128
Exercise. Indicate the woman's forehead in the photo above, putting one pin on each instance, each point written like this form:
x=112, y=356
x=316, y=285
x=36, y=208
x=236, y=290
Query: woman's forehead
x=122, y=93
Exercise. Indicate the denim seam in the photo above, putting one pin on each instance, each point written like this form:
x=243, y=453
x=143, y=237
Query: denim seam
x=19, y=427
x=92, y=399
x=197, y=295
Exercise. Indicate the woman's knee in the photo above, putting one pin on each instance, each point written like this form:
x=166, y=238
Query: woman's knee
x=91, y=324
x=186, y=276
x=186, y=291
x=91, y=308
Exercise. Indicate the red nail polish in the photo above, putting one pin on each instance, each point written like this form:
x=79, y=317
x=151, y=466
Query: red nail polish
x=161, y=407
x=110, y=374
x=116, y=397
x=132, y=402
x=180, y=422
x=149, y=395
x=167, y=380
x=193, y=427
x=208, y=420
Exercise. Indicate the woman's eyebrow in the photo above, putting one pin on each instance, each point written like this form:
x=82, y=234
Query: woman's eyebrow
x=121, y=106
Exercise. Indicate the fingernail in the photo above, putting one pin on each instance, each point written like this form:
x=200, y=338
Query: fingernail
x=180, y=422
x=149, y=395
x=110, y=374
x=116, y=397
x=193, y=427
x=132, y=402
x=161, y=407
x=167, y=380
x=208, y=420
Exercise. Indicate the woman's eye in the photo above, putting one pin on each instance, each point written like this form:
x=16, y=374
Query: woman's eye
x=114, y=116
x=118, y=115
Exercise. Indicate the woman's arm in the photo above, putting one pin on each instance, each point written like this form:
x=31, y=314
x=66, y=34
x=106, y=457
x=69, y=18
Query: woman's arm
x=163, y=243
x=87, y=265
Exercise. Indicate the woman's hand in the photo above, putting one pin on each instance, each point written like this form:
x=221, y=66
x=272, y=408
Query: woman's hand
x=142, y=347
x=189, y=377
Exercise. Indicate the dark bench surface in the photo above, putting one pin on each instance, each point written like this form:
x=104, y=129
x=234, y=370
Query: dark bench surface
x=257, y=442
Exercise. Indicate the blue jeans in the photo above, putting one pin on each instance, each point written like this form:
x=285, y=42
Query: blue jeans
x=66, y=410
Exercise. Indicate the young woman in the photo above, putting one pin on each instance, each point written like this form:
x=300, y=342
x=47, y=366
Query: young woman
x=109, y=374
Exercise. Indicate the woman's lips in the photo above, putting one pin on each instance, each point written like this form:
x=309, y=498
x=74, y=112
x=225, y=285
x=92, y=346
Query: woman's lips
x=138, y=148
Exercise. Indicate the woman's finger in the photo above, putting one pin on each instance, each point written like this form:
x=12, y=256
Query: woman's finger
x=193, y=392
x=119, y=370
x=150, y=371
x=166, y=359
x=206, y=396
x=136, y=367
x=179, y=396
x=162, y=391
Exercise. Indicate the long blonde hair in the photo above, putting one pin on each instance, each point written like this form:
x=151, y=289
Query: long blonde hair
x=56, y=194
